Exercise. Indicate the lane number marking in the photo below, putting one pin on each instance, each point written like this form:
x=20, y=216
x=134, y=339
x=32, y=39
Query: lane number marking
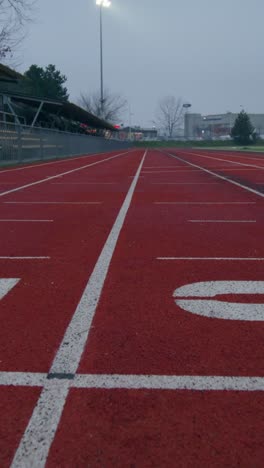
x=193, y=298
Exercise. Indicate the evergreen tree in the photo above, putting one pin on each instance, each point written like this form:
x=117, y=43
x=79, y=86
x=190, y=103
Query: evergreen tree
x=47, y=82
x=243, y=131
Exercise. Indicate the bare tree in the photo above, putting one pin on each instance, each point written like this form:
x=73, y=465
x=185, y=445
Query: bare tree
x=113, y=105
x=14, y=15
x=170, y=114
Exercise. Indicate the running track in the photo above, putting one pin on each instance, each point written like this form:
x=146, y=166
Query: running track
x=132, y=317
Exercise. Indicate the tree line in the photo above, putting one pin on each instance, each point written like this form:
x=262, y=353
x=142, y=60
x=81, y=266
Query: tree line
x=50, y=82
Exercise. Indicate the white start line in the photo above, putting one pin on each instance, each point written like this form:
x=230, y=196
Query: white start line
x=140, y=382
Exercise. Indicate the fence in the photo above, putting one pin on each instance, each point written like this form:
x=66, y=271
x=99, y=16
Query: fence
x=21, y=143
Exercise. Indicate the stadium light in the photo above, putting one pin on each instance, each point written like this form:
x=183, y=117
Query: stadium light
x=102, y=4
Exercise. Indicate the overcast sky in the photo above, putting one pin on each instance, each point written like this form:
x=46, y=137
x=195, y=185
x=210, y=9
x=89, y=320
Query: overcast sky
x=208, y=52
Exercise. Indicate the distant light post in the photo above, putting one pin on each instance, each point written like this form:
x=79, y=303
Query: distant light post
x=186, y=106
x=102, y=4
x=130, y=114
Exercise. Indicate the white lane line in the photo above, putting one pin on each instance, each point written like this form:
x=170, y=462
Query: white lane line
x=234, y=169
x=224, y=160
x=23, y=379
x=50, y=203
x=220, y=221
x=84, y=183
x=119, y=381
x=233, y=182
x=34, y=446
x=39, y=165
x=26, y=221
x=204, y=203
x=63, y=160
x=171, y=172
x=42, y=426
x=240, y=155
x=24, y=258
x=71, y=348
x=231, y=259
x=185, y=183
x=62, y=174
x=162, y=167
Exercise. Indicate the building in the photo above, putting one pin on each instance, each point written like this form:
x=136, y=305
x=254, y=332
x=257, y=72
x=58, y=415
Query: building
x=217, y=126
x=138, y=134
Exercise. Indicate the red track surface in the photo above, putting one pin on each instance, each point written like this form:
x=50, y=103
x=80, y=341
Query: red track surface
x=138, y=329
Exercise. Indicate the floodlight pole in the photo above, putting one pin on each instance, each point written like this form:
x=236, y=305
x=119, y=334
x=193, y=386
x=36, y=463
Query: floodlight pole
x=101, y=60
x=102, y=4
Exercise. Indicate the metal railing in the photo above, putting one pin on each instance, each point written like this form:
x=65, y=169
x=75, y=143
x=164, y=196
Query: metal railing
x=19, y=143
